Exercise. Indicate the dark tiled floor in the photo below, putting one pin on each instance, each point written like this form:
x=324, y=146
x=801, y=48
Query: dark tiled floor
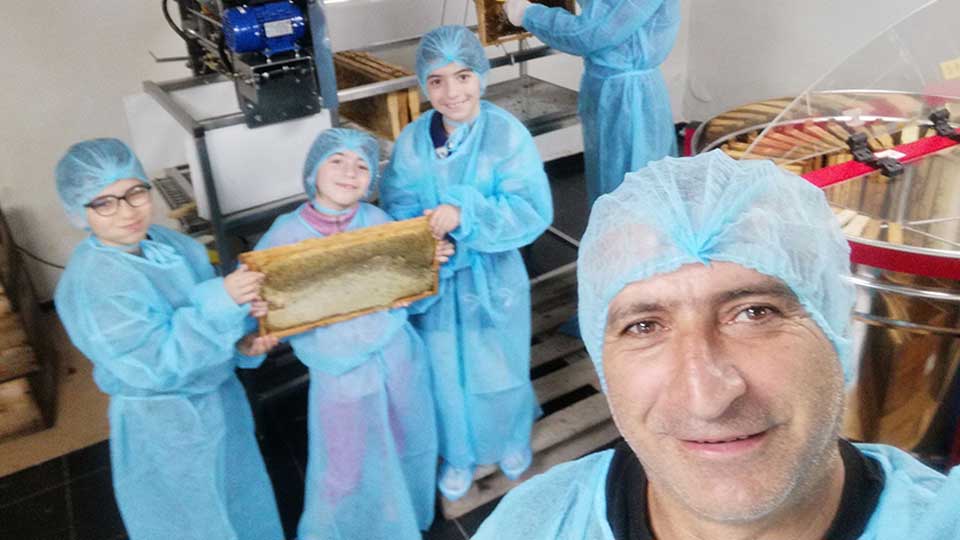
x=71, y=497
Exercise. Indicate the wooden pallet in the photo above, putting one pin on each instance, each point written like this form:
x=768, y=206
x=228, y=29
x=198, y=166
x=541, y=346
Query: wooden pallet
x=19, y=411
x=386, y=114
x=27, y=361
x=493, y=26
x=568, y=433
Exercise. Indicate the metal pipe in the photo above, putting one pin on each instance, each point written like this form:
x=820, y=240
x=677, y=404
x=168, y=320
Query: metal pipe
x=931, y=221
x=227, y=255
x=522, y=56
x=224, y=120
x=876, y=320
x=563, y=236
x=176, y=111
x=207, y=44
x=394, y=43
x=189, y=82
x=522, y=47
x=556, y=272
x=207, y=18
x=910, y=292
x=377, y=88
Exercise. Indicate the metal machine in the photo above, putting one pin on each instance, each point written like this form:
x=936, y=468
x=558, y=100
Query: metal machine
x=879, y=135
x=276, y=52
x=263, y=84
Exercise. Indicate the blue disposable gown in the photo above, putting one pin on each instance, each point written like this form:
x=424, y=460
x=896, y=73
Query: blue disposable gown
x=624, y=107
x=161, y=330
x=372, y=449
x=569, y=502
x=478, y=331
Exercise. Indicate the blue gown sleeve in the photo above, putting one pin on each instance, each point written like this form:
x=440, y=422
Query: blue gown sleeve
x=589, y=32
x=250, y=362
x=152, y=347
x=518, y=211
x=399, y=192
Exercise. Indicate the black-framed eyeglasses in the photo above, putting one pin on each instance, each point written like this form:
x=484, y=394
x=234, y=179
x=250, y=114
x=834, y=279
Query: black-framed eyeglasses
x=107, y=205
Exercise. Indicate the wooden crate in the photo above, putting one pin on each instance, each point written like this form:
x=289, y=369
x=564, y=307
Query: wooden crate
x=494, y=28
x=27, y=360
x=20, y=412
x=562, y=373
x=322, y=281
x=386, y=114
x=27, y=386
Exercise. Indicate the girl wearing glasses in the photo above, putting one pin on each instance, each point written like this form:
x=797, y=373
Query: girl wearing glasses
x=164, y=335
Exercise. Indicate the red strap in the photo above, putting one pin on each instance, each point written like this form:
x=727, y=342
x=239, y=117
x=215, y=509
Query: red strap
x=884, y=257
x=902, y=261
x=912, y=152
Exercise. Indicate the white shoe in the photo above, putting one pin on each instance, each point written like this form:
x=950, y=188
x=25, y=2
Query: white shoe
x=515, y=463
x=454, y=483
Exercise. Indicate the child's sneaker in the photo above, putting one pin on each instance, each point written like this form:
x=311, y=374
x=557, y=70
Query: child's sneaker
x=454, y=483
x=515, y=463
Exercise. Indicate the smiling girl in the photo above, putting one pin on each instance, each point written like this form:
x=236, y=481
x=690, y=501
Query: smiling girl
x=143, y=304
x=372, y=449
x=474, y=169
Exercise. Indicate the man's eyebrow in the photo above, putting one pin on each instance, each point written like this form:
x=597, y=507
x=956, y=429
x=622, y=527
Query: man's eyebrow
x=775, y=289
x=632, y=309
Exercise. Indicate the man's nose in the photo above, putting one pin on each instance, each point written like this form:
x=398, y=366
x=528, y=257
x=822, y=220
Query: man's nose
x=707, y=381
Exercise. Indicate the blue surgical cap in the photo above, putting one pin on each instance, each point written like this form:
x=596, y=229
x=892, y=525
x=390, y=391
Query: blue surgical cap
x=336, y=140
x=90, y=166
x=712, y=208
x=447, y=44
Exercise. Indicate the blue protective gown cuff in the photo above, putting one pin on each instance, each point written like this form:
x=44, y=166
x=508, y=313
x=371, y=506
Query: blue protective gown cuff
x=249, y=362
x=532, y=13
x=218, y=307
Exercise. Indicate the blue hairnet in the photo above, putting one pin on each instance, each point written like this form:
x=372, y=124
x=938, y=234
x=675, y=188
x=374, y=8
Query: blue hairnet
x=447, y=44
x=712, y=208
x=336, y=140
x=90, y=166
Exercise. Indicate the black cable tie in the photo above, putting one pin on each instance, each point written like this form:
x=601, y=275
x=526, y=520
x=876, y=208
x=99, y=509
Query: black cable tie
x=888, y=166
x=941, y=123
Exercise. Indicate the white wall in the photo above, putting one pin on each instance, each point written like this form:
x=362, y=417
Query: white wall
x=405, y=18
x=67, y=66
x=746, y=50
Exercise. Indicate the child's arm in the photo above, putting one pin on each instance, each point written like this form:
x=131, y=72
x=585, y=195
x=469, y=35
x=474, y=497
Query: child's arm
x=253, y=347
x=445, y=250
x=399, y=194
x=589, y=32
x=518, y=211
x=151, y=346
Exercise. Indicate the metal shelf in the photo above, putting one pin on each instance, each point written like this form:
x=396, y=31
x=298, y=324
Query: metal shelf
x=540, y=105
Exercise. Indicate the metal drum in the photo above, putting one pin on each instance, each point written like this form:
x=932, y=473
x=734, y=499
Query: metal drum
x=905, y=240
x=878, y=134
x=904, y=232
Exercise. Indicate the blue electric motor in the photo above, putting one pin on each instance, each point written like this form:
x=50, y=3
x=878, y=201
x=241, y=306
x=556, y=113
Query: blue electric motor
x=266, y=28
